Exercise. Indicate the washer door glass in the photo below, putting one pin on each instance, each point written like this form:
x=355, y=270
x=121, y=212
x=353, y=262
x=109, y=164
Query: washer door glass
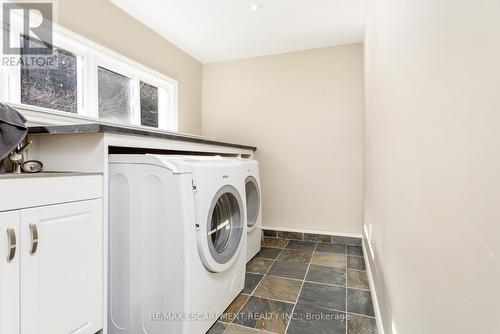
x=225, y=224
x=253, y=200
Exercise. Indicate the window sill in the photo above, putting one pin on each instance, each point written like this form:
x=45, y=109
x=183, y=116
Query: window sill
x=44, y=116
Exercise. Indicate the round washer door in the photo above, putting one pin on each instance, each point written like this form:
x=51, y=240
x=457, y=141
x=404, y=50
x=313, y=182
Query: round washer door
x=219, y=242
x=253, y=202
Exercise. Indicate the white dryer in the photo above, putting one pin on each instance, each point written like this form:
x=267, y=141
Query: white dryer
x=177, y=239
x=253, y=201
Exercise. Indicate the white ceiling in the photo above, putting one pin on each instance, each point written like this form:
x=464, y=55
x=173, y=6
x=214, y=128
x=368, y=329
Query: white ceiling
x=219, y=30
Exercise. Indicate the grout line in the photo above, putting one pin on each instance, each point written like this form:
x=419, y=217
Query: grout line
x=238, y=311
x=327, y=284
x=333, y=310
x=252, y=294
x=256, y=286
x=275, y=259
x=274, y=299
x=250, y=328
x=350, y=287
x=300, y=291
x=273, y=247
x=255, y=273
x=337, y=286
x=260, y=258
x=333, y=253
x=264, y=275
x=316, y=243
x=290, y=278
x=258, y=283
x=361, y=315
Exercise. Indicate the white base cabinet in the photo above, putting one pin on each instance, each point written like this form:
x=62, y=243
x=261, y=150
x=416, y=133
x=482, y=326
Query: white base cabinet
x=51, y=275
x=61, y=280
x=9, y=272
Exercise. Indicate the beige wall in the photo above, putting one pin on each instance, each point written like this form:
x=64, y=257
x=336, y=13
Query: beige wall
x=304, y=112
x=432, y=163
x=106, y=24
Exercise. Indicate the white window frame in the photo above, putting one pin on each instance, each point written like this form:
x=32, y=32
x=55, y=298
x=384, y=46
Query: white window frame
x=90, y=56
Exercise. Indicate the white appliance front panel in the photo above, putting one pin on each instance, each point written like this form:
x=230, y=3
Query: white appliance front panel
x=141, y=258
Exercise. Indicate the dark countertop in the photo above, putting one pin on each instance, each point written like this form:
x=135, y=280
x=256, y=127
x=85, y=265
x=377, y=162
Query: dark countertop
x=122, y=130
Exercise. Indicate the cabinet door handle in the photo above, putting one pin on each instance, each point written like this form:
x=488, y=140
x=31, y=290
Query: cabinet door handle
x=34, y=239
x=11, y=253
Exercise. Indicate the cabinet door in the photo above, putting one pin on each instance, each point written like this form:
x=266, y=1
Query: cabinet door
x=61, y=275
x=9, y=272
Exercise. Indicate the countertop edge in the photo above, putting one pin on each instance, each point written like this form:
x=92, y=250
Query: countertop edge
x=104, y=128
x=11, y=176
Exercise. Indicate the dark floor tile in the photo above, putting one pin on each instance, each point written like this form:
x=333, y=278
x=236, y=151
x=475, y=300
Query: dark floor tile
x=338, y=261
x=258, y=265
x=230, y=313
x=217, y=328
x=274, y=242
x=288, y=270
x=330, y=248
x=278, y=288
x=357, y=279
x=301, y=245
x=265, y=314
x=296, y=256
x=324, y=296
x=357, y=324
x=251, y=282
x=269, y=253
x=355, y=262
x=290, y=235
x=346, y=240
x=327, y=275
x=314, y=320
x=238, y=329
x=270, y=233
x=355, y=250
x=360, y=302
x=317, y=237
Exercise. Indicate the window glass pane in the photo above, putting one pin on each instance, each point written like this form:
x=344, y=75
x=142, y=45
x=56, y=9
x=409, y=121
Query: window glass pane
x=149, y=105
x=114, y=96
x=48, y=86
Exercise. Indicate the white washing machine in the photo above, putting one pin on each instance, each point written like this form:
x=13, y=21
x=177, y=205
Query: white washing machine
x=253, y=201
x=177, y=238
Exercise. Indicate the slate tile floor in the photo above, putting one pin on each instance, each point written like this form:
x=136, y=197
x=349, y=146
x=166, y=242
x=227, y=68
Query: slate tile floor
x=302, y=287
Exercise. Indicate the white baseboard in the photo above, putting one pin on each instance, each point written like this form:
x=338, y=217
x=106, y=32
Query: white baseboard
x=367, y=249
x=288, y=229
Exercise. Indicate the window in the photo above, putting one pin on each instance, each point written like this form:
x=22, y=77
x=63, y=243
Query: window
x=114, y=96
x=85, y=82
x=52, y=87
x=149, y=105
